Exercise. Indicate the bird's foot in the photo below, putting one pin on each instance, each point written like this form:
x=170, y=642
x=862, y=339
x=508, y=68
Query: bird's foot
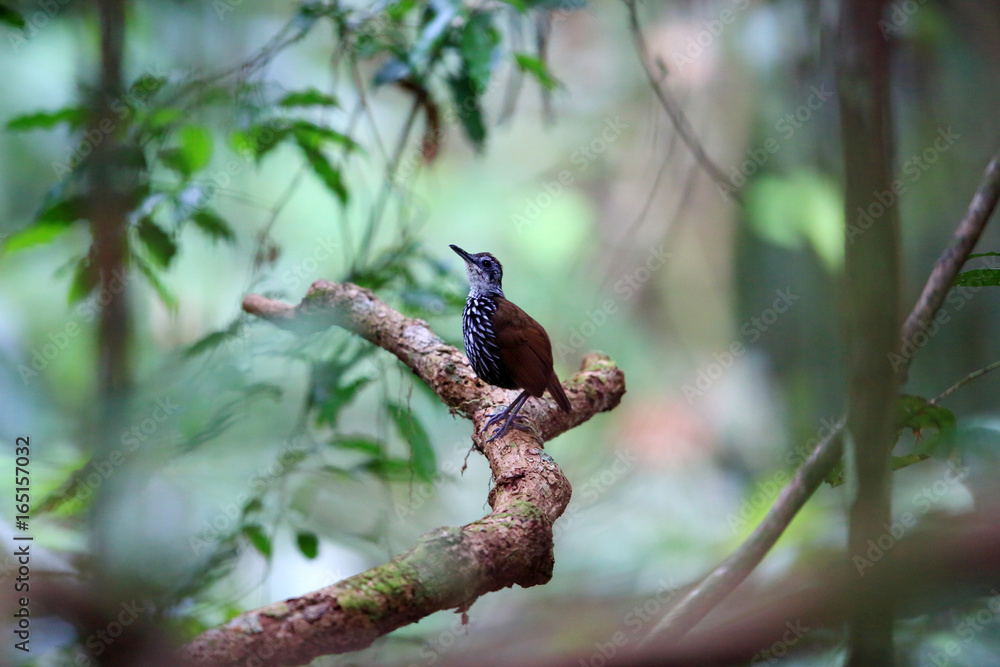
x=520, y=422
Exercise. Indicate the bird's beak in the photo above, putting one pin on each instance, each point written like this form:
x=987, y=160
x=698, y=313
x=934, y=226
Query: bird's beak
x=461, y=253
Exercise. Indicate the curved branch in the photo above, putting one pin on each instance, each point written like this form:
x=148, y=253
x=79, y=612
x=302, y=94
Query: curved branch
x=449, y=567
x=731, y=572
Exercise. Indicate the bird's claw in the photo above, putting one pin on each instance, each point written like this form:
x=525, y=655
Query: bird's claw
x=513, y=421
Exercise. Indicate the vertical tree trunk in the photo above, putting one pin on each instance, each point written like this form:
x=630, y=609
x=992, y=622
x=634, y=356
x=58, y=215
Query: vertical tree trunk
x=111, y=181
x=872, y=273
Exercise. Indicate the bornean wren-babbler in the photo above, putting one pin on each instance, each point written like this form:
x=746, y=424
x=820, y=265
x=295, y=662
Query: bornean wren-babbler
x=506, y=348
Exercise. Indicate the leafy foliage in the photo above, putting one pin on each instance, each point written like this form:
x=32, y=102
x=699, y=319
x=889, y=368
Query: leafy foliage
x=933, y=426
x=978, y=278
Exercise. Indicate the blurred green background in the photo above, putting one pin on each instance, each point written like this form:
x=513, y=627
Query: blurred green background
x=611, y=236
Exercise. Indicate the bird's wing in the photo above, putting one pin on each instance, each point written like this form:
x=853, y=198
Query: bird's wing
x=524, y=347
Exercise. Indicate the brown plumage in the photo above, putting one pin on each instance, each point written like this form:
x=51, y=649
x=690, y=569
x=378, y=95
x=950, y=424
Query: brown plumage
x=505, y=346
x=526, y=352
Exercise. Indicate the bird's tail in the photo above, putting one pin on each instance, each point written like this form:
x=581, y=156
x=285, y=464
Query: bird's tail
x=555, y=388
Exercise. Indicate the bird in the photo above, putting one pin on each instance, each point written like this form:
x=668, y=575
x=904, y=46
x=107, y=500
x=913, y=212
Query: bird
x=506, y=347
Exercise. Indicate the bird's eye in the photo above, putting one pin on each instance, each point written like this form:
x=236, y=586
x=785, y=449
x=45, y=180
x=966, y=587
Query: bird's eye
x=487, y=263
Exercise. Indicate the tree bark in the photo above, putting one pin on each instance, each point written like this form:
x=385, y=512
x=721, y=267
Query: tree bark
x=872, y=274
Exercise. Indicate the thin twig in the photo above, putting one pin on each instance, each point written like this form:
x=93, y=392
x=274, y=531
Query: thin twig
x=983, y=203
x=729, y=574
x=387, y=185
x=964, y=381
x=675, y=112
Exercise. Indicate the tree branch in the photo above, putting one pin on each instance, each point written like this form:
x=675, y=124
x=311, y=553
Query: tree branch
x=449, y=567
x=730, y=573
x=981, y=208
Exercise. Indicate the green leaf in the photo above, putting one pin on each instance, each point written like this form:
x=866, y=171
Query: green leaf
x=389, y=469
x=309, y=97
x=146, y=86
x=45, y=120
x=258, y=539
x=918, y=415
x=410, y=429
x=398, y=10
x=984, y=254
x=308, y=544
x=84, y=281
x=160, y=120
x=159, y=244
x=536, y=68
x=801, y=207
x=213, y=340
x=336, y=397
x=253, y=506
x=836, y=476
x=260, y=139
x=213, y=225
x=479, y=39
x=33, y=235
x=517, y=4
x=327, y=173
x=11, y=17
x=360, y=444
x=978, y=278
x=463, y=91
x=166, y=296
x=50, y=223
x=316, y=136
x=192, y=152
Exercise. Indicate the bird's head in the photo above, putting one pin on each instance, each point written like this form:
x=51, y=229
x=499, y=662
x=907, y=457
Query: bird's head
x=484, y=271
